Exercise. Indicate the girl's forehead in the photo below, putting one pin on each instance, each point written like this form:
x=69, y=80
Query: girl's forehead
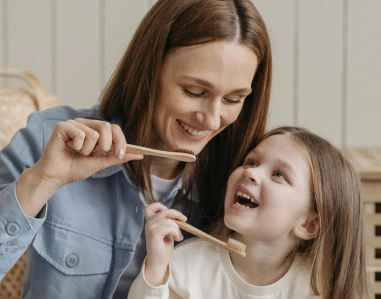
x=281, y=147
x=275, y=143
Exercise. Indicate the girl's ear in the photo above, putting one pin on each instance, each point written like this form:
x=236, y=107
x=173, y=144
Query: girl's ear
x=307, y=228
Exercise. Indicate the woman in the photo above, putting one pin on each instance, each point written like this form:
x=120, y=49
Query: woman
x=196, y=75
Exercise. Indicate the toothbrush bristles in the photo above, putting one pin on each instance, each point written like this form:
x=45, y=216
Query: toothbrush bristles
x=237, y=246
x=184, y=150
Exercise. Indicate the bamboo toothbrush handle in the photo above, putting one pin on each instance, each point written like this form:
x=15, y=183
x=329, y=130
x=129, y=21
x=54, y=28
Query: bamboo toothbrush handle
x=199, y=233
x=134, y=149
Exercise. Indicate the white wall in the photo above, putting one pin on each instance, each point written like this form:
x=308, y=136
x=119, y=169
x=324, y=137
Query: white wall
x=327, y=69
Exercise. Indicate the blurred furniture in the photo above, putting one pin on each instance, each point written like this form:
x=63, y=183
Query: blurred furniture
x=16, y=103
x=11, y=284
x=367, y=162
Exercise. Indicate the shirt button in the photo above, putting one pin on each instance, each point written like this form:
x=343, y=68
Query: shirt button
x=71, y=260
x=12, y=228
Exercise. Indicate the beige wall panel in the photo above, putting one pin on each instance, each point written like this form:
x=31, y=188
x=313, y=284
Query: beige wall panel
x=78, y=57
x=2, y=45
x=2, y=40
x=30, y=43
x=121, y=19
x=364, y=73
x=279, y=19
x=320, y=70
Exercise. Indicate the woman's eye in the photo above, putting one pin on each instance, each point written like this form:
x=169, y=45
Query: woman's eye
x=232, y=102
x=194, y=94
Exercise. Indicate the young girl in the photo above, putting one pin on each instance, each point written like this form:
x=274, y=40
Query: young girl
x=295, y=202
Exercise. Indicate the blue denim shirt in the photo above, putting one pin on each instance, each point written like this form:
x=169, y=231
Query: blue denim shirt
x=84, y=238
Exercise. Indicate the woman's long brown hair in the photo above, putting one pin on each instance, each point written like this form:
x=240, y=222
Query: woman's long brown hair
x=338, y=252
x=133, y=88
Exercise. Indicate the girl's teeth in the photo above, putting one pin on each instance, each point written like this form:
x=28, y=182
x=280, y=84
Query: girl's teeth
x=238, y=204
x=241, y=194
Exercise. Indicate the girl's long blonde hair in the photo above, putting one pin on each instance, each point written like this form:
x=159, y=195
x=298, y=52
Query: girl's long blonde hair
x=338, y=251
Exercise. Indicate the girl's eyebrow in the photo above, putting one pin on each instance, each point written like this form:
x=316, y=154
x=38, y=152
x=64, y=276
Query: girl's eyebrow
x=211, y=86
x=282, y=163
x=286, y=165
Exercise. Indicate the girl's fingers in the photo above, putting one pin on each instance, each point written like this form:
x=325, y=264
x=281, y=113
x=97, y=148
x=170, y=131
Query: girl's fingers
x=152, y=209
x=163, y=229
x=160, y=211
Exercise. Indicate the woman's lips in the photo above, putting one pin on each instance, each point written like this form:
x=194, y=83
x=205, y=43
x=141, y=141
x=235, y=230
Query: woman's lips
x=192, y=132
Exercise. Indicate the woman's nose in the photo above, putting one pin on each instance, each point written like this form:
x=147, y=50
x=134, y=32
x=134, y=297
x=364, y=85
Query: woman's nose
x=210, y=115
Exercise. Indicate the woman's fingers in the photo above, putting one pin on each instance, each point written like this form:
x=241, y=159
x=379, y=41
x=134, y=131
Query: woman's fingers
x=88, y=136
x=104, y=139
x=119, y=141
x=109, y=134
x=89, y=142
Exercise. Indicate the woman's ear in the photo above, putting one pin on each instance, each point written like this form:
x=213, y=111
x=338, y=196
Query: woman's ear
x=307, y=228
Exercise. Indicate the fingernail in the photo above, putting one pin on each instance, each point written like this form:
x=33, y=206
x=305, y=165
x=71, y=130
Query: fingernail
x=120, y=154
x=97, y=153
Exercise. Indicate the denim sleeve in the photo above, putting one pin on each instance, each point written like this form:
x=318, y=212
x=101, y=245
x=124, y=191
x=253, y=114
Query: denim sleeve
x=17, y=230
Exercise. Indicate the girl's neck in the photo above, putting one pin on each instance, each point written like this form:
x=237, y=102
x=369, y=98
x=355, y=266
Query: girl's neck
x=264, y=264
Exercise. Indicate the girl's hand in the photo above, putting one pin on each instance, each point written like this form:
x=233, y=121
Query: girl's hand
x=160, y=233
x=69, y=157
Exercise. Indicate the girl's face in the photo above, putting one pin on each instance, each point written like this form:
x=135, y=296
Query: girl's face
x=202, y=90
x=270, y=192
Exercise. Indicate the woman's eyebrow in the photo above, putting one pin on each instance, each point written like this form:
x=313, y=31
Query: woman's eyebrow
x=211, y=86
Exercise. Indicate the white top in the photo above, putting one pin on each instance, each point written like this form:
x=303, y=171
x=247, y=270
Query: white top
x=202, y=270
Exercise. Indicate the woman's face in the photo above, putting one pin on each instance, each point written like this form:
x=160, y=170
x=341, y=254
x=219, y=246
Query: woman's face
x=202, y=90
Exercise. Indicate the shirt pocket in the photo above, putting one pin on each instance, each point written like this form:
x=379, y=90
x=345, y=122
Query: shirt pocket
x=72, y=253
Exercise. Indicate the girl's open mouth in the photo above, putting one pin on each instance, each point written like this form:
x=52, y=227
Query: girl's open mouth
x=245, y=200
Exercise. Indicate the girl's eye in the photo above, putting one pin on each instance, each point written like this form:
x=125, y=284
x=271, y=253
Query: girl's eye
x=250, y=163
x=194, y=94
x=232, y=102
x=280, y=175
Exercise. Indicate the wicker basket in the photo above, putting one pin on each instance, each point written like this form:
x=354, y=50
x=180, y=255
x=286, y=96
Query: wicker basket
x=11, y=284
x=367, y=163
x=15, y=105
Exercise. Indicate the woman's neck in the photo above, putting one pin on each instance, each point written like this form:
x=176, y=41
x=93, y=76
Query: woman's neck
x=165, y=168
x=264, y=264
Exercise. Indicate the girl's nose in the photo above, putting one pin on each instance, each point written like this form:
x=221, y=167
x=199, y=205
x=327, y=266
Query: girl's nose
x=210, y=115
x=252, y=175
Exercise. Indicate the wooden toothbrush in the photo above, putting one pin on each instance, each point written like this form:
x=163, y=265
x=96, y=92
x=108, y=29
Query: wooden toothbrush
x=179, y=154
x=232, y=245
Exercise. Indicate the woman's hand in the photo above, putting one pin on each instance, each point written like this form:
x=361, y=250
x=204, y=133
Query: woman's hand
x=160, y=233
x=76, y=150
